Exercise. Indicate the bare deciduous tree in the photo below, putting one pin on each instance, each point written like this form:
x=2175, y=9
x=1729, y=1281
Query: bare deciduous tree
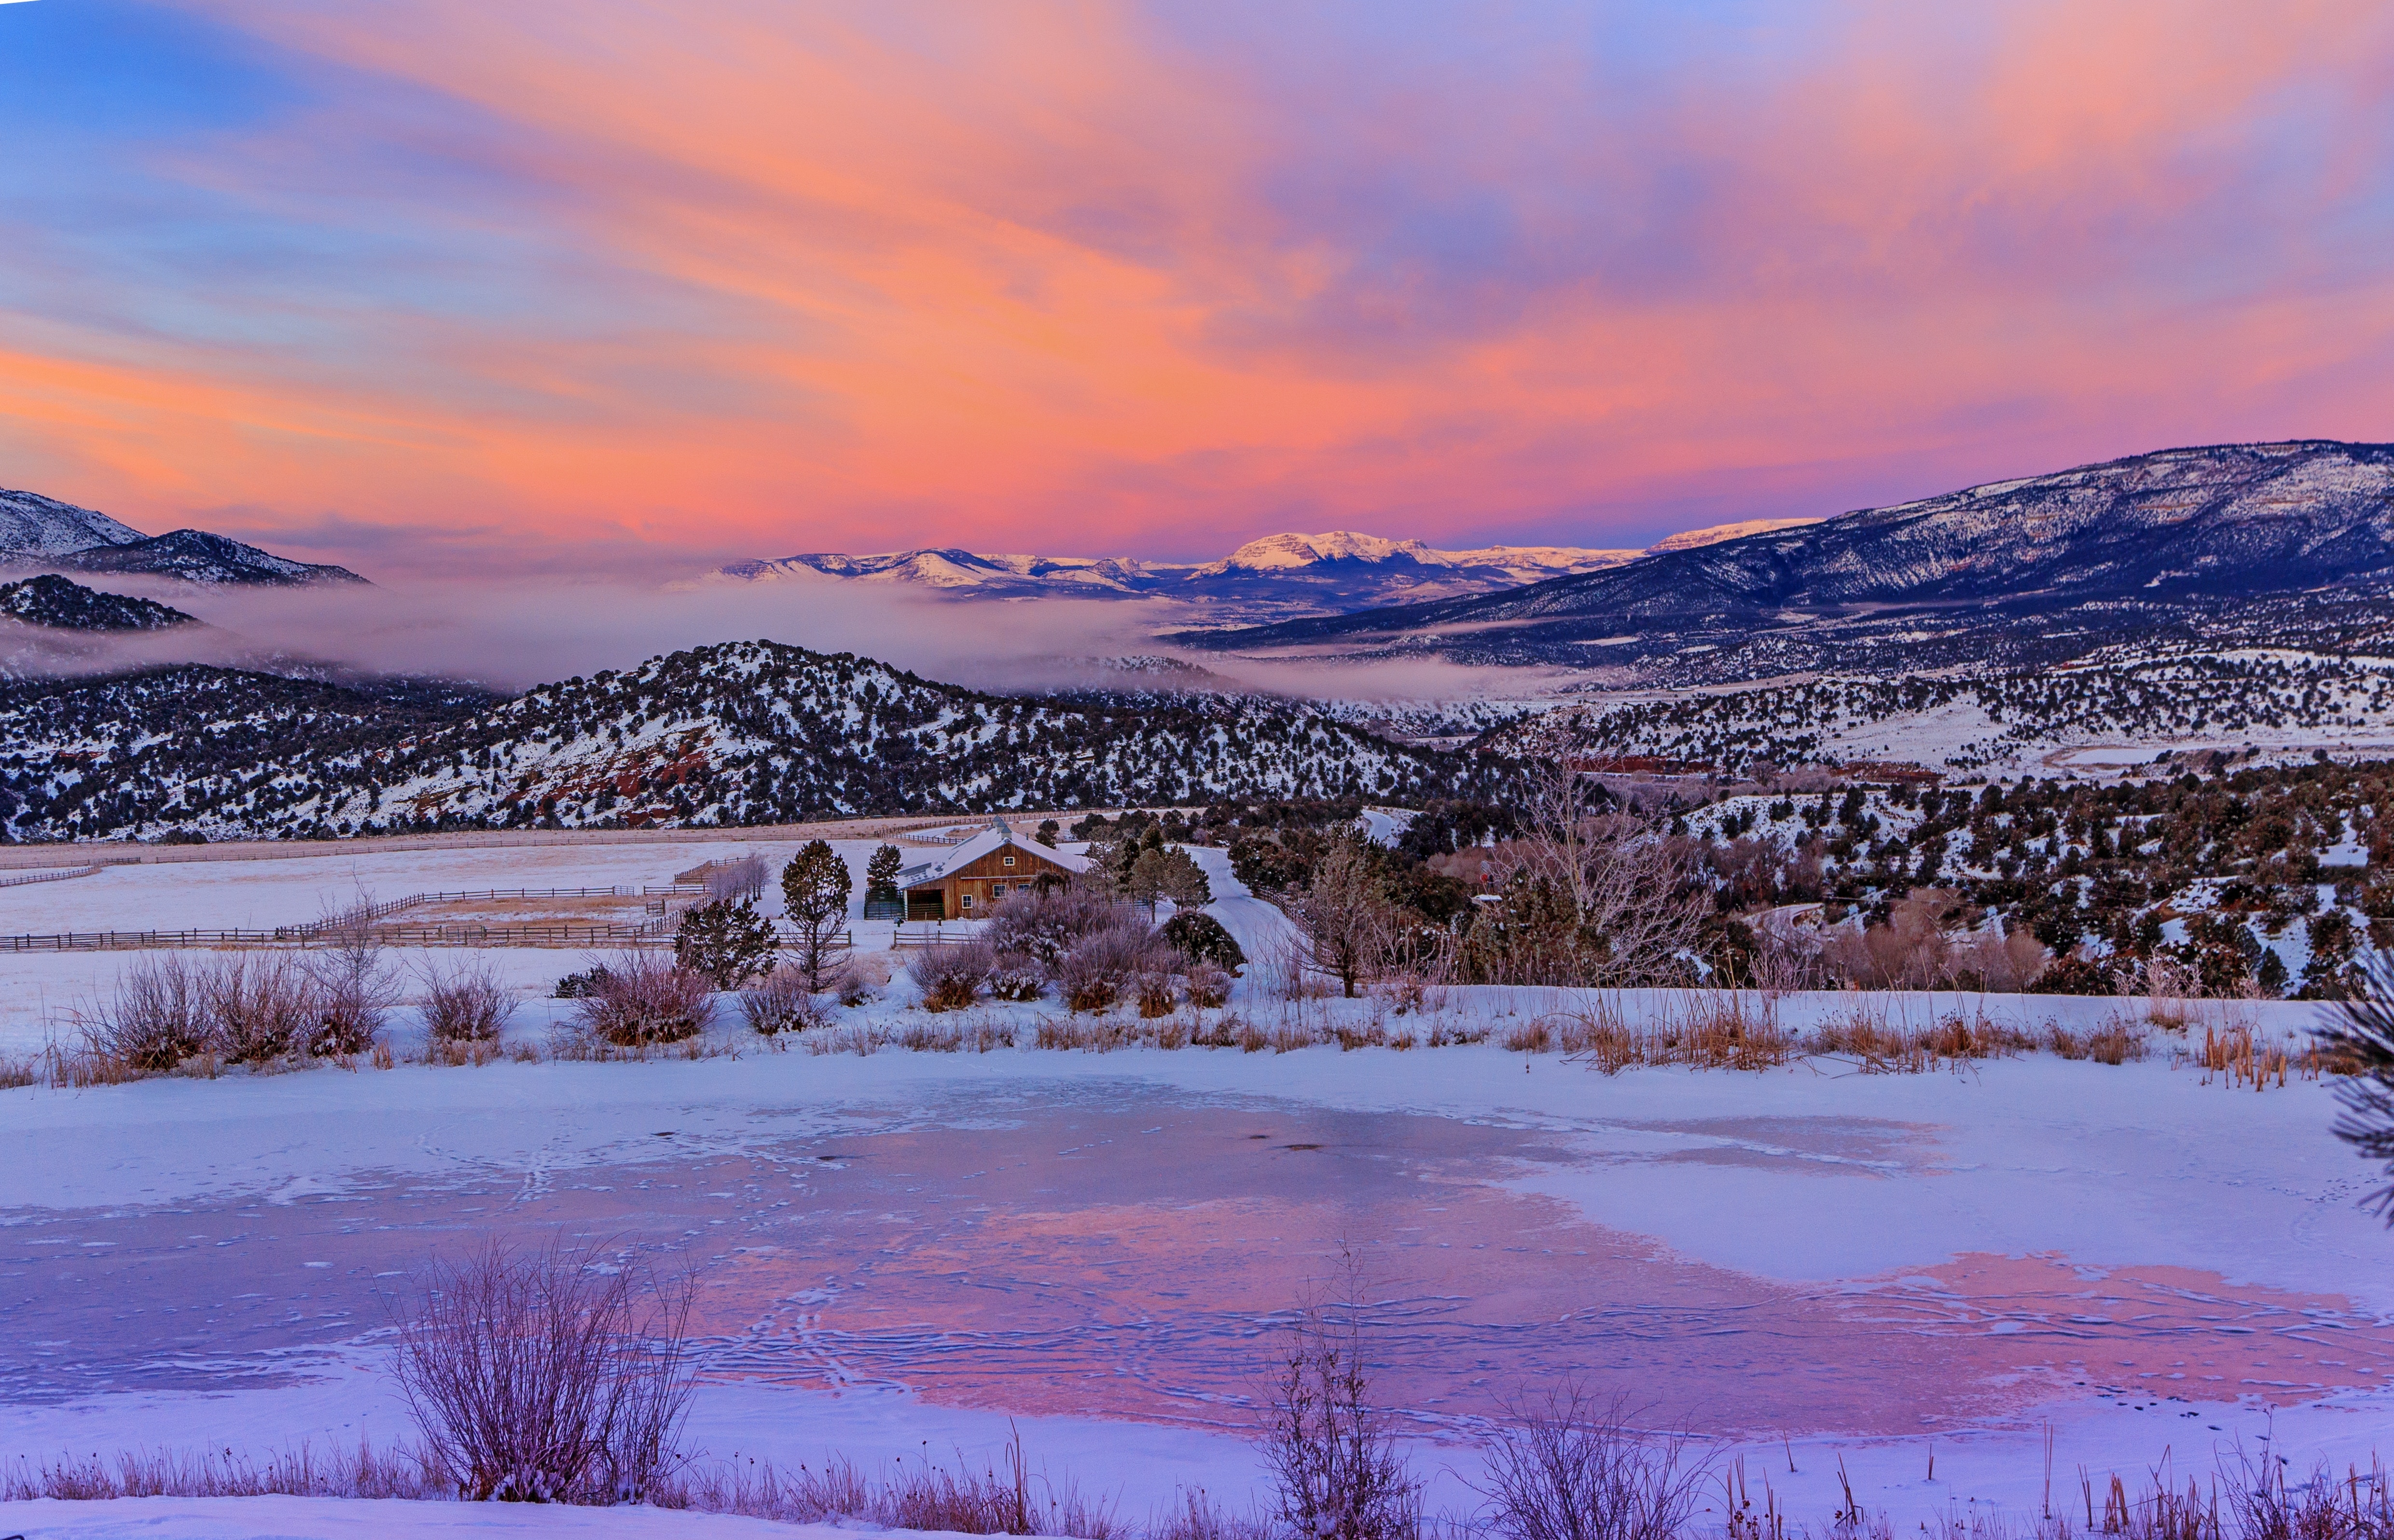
x=1342, y=912
x=1596, y=896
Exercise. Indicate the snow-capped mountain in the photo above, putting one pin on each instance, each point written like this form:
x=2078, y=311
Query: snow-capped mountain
x=2178, y=543
x=1280, y=574
x=32, y=525
x=42, y=532
x=740, y=732
x=196, y=555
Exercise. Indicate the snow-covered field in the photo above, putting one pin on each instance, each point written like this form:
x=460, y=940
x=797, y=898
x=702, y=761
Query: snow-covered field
x=905, y=1252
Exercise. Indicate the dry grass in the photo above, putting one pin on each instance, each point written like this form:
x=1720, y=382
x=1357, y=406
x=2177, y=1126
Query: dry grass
x=1879, y=1046
x=1699, y=1029
x=2238, y=1057
x=1002, y=1497
x=860, y=1041
x=298, y=1472
x=15, y=1073
x=2115, y=1042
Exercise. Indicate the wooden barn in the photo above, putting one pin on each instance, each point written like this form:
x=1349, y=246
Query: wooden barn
x=967, y=882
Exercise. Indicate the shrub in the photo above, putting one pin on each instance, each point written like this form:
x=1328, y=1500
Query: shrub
x=727, y=941
x=259, y=1008
x=851, y=987
x=355, y=987
x=1099, y=965
x=1571, y=1470
x=1045, y=922
x=544, y=1377
x=1156, y=995
x=1209, y=986
x=950, y=976
x=781, y=1002
x=1201, y=939
x=1332, y=1455
x=642, y=998
x=157, y=1017
x=466, y=1003
x=1017, y=976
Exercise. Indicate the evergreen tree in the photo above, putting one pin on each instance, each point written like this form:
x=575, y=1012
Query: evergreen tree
x=880, y=872
x=814, y=900
x=727, y=939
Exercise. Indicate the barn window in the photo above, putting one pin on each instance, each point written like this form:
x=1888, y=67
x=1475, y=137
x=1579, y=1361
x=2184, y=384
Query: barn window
x=997, y=889
x=1010, y=860
x=968, y=901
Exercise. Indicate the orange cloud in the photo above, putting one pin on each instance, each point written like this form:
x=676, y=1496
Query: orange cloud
x=733, y=278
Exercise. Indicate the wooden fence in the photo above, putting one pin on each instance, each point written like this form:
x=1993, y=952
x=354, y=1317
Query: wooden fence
x=47, y=876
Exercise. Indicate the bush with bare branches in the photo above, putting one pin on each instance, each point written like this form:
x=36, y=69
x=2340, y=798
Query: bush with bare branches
x=1097, y=968
x=641, y=997
x=1017, y=976
x=1043, y=923
x=157, y=1017
x=467, y=1003
x=1570, y=1469
x=356, y=986
x=949, y=975
x=262, y=1007
x=548, y=1376
x=1332, y=1455
x=781, y=1002
x=1208, y=986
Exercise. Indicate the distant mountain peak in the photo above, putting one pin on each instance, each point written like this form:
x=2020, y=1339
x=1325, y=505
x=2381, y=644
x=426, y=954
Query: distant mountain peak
x=1273, y=576
x=42, y=532
x=34, y=526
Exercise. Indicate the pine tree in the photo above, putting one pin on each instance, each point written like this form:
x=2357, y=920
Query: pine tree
x=814, y=899
x=881, y=873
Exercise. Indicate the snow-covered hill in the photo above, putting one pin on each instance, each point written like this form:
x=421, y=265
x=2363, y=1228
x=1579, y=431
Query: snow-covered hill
x=34, y=526
x=2151, y=545
x=38, y=531
x=743, y=732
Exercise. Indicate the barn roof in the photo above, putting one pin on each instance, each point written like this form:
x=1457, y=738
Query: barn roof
x=997, y=836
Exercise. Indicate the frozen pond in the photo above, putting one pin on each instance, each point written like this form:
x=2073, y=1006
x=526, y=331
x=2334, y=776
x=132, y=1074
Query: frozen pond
x=1042, y=1235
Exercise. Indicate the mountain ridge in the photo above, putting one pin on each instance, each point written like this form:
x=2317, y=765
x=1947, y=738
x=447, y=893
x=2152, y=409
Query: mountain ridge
x=2162, y=538
x=719, y=736
x=1273, y=576
x=36, y=531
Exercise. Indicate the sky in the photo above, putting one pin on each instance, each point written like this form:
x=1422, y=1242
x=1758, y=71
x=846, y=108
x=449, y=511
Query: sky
x=619, y=288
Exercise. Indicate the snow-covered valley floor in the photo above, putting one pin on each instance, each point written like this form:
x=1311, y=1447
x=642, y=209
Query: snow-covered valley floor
x=911, y=1253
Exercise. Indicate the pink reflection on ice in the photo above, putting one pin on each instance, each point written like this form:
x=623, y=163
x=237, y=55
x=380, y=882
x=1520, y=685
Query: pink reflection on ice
x=1150, y=1284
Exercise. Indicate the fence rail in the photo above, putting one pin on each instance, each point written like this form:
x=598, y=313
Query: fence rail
x=47, y=876
x=504, y=933
x=933, y=935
